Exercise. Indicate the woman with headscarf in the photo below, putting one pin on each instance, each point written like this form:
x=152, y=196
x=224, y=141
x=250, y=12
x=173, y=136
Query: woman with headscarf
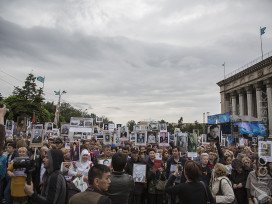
x=80, y=170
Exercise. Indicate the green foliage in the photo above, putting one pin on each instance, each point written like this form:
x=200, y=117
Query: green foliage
x=130, y=125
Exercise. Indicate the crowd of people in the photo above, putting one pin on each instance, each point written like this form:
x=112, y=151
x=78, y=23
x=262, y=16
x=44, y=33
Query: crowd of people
x=217, y=175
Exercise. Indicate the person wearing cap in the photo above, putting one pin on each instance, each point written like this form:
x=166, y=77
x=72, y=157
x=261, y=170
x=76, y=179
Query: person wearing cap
x=80, y=169
x=137, y=196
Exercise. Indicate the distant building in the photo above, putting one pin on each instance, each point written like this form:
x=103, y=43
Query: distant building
x=247, y=93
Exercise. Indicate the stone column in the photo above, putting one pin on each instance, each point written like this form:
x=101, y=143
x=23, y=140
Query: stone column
x=227, y=103
x=269, y=104
x=233, y=103
x=249, y=101
x=259, y=100
x=241, y=102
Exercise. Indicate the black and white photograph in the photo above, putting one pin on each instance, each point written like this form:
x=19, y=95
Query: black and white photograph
x=75, y=150
x=118, y=126
x=48, y=126
x=139, y=173
x=163, y=138
x=64, y=130
x=38, y=126
x=37, y=137
x=151, y=137
x=56, y=132
x=182, y=141
x=153, y=126
x=163, y=127
x=132, y=137
x=99, y=136
x=213, y=133
x=99, y=119
x=106, y=126
x=116, y=139
x=9, y=128
x=265, y=150
x=192, y=142
x=88, y=122
x=107, y=138
x=106, y=162
x=95, y=129
x=111, y=127
x=124, y=133
x=140, y=138
x=74, y=122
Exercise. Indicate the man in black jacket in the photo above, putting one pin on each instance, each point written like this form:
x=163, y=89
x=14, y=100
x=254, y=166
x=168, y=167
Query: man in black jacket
x=122, y=184
x=54, y=184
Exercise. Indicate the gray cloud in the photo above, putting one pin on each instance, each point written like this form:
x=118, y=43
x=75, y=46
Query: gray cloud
x=140, y=60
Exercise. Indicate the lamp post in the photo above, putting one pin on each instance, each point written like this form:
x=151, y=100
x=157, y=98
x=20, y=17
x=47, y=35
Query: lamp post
x=57, y=113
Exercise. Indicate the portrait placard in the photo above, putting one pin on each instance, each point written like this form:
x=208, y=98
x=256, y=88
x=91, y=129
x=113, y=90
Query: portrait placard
x=151, y=137
x=99, y=119
x=163, y=138
x=107, y=137
x=106, y=162
x=163, y=127
x=140, y=138
x=48, y=126
x=88, y=122
x=36, y=138
x=74, y=122
x=265, y=150
x=153, y=126
x=213, y=133
x=64, y=130
x=75, y=150
x=9, y=128
x=182, y=141
x=139, y=173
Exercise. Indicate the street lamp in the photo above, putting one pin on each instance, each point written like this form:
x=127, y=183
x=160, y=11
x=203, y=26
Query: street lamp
x=57, y=113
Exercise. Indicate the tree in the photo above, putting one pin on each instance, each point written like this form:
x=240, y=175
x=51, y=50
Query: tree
x=130, y=125
x=1, y=97
x=27, y=100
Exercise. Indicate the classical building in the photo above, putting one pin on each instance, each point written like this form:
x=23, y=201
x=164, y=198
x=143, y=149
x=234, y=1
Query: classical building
x=248, y=93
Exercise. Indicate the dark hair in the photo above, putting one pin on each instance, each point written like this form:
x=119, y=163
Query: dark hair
x=97, y=171
x=119, y=161
x=176, y=147
x=213, y=126
x=12, y=144
x=192, y=170
x=106, y=147
x=150, y=149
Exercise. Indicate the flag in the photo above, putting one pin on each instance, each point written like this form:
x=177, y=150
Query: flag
x=34, y=118
x=262, y=30
x=57, y=92
x=40, y=79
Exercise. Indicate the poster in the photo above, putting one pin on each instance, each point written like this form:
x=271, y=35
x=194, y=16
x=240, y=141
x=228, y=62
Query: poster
x=64, y=130
x=9, y=128
x=116, y=139
x=88, y=122
x=265, y=150
x=192, y=142
x=99, y=119
x=36, y=138
x=151, y=137
x=106, y=162
x=123, y=131
x=153, y=126
x=163, y=127
x=107, y=137
x=140, y=138
x=48, y=126
x=182, y=141
x=139, y=173
x=163, y=138
x=213, y=133
x=74, y=150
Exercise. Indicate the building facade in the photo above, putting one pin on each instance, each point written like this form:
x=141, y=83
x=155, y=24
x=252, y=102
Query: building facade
x=248, y=93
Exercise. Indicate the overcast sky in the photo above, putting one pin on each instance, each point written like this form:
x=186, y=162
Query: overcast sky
x=131, y=59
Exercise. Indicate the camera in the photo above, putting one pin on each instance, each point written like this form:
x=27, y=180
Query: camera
x=27, y=164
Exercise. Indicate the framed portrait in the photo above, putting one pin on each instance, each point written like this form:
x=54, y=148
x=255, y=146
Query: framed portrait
x=116, y=139
x=106, y=162
x=153, y=126
x=163, y=138
x=163, y=127
x=132, y=137
x=38, y=126
x=106, y=126
x=64, y=129
x=182, y=141
x=88, y=122
x=192, y=142
x=111, y=127
x=36, y=138
x=48, y=126
x=124, y=133
x=74, y=122
x=213, y=133
x=118, y=126
x=139, y=173
x=56, y=132
x=9, y=128
x=151, y=137
x=107, y=137
x=140, y=138
x=99, y=119
x=265, y=150
x=75, y=150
